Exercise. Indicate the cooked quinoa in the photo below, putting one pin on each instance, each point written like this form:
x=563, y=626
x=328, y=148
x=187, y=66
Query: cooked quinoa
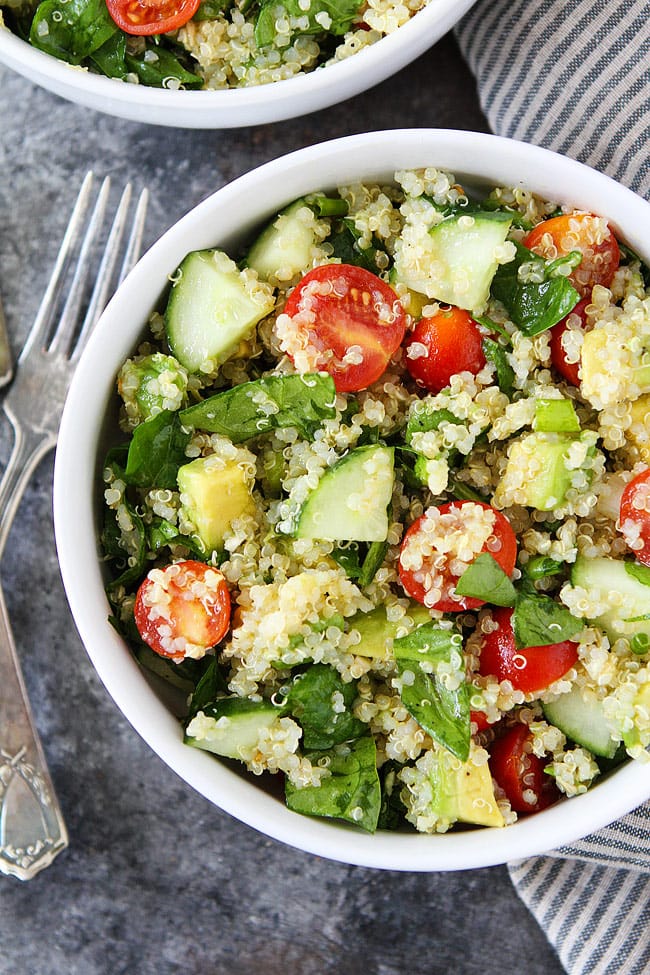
x=232, y=45
x=367, y=659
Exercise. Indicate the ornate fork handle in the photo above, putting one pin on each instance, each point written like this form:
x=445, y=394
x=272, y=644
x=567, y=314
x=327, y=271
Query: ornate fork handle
x=32, y=829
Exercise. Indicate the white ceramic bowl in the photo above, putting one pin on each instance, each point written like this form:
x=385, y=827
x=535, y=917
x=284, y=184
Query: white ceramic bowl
x=223, y=220
x=238, y=107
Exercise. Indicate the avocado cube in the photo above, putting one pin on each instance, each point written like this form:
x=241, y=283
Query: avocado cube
x=213, y=495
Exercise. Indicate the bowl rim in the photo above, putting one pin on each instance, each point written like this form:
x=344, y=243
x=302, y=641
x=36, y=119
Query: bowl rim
x=499, y=161
x=229, y=108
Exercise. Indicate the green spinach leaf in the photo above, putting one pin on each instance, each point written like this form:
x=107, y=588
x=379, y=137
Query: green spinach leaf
x=71, y=30
x=211, y=684
x=539, y=301
x=156, y=452
x=639, y=572
x=253, y=408
x=441, y=711
x=359, y=566
x=485, y=579
x=344, y=240
x=495, y=354
x=538, y=621
x=337, y=14
x=158, y=63
x=351, y=792
x=321, y=703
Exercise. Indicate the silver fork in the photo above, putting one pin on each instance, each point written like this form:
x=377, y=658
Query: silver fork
x=32, y=829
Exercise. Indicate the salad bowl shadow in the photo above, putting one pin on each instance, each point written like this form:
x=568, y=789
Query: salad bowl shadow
x=237, y=107
x=476, y=160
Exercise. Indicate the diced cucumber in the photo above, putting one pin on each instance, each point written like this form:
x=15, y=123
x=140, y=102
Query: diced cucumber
x=580, y=715
x=555, y=416
x=627, y=599
x=542, y=459
x=350, y=502
x=285, y=248
x=231, y=727
x=456, y=261
x=212, y=307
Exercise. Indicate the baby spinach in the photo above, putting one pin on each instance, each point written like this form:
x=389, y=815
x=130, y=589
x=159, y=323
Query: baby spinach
x=485, y=579
x=338, y=13
x=71, y=30
x=361, y=562
x=538, y=621
x=495, y=354
x=129, y=564
x=156, y=452
x=442, y=712
x=393, y=810
x=534, y=305
x=351, y=791
x=344, y=240
x=210, y=9
x=424, y=418
x=244, y=411
x=639, y=572
x=320, y=701
x=211, y=684
x=155, y=71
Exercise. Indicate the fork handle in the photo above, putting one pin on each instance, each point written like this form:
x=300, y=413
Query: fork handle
x=32, y=830
x=29, y=447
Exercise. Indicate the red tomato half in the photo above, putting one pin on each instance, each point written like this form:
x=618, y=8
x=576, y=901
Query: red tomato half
x=502, y=545
x=635, y=516
x=520, y=773
x=568, y=370
x=350, y=320
x=453, y=344
x=183, y=610
x=573, y=232
x=530, y=669
x=151, y=16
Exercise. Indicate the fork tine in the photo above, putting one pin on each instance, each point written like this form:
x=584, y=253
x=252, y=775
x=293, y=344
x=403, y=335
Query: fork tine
x=134, y=242
x=69, y=318
x=106, y=267
x=105, y=274
x=42, y=322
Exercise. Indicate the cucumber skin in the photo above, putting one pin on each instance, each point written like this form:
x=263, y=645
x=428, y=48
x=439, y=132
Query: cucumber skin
x=288, y=247
x=326, y=503
x=246, y=720
x=609, y=575
x=583, y=722
x=209, y=310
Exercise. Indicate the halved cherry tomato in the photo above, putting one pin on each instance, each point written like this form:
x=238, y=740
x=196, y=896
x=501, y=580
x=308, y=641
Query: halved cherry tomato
x=350, y=320
x=520, y=773
x=151, y=16
x=183, y=610
x=479, y=718
x=635, y=516
x=418, y=582
x=453, y=344
x=568, y=370
x=529, y=669
x=559, y=236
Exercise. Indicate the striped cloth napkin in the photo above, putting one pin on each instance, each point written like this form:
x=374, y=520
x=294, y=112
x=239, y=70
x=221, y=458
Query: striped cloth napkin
x=574, y=76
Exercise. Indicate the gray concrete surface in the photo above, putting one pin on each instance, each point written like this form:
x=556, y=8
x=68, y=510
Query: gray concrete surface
x=156, y=880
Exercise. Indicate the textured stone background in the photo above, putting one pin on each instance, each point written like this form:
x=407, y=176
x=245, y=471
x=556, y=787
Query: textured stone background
x=156, y=880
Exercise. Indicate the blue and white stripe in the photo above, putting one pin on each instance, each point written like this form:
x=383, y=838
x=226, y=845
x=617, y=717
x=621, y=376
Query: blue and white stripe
x=574, y=76
x=571, y=75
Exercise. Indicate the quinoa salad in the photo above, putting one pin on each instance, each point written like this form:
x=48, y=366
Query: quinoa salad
x=204, y=44
x=380, y=506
